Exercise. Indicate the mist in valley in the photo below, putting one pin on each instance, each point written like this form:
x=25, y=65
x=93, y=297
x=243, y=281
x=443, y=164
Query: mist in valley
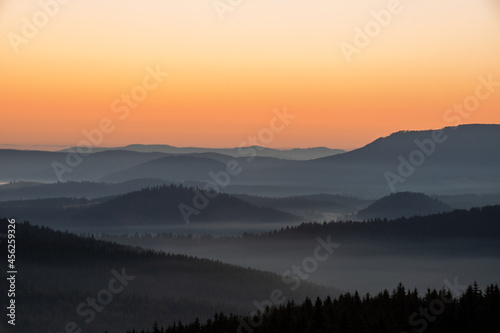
x=365, y=267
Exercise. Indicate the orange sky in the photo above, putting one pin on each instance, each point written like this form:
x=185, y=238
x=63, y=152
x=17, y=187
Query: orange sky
x=226, y=76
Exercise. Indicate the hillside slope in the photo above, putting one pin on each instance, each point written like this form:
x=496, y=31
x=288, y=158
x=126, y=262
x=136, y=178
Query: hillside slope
x=403, y=204
x=60, y=271
x=160, y=205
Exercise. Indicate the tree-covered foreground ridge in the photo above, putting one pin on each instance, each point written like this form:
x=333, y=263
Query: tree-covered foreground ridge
x=456, y=309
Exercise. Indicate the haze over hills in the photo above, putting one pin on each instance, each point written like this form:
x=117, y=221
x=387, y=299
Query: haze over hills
x=201, y=168
x=173, y=168
x=465, y=161
x=123, y=165
x=38, y=165
x=419, y=251
x=86, y=189
x=62, y=271
x=311, y=207
x=459, y=160
x=467, y=201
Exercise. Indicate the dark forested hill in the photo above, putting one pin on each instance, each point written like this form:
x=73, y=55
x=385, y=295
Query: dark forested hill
x=60, y=273
x=167, y=205
x=161, y=205
x=473, y=223
x=403, y=204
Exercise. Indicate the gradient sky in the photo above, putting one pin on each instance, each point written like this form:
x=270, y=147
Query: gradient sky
x=226, y=76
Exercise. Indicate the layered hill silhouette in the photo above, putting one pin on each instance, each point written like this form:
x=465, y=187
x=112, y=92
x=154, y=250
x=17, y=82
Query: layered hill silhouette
x=199, y=167
x=72, y=189
x=172, y=168
x=403, y=204
x=454, y=233
x=456, y=160
x=39, y=165
x=160, y=205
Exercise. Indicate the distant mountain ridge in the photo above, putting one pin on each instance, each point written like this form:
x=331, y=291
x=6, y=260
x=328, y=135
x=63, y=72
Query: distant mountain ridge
x=465, y=159
x=474, y=139
x=288, y=154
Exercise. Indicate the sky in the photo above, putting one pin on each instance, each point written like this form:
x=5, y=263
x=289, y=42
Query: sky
x=230, y=66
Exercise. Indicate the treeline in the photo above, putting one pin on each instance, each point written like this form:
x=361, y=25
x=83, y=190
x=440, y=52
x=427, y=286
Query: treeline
x=481, y=222
x=399, y=311
x=478, y=223
x=403, y=204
